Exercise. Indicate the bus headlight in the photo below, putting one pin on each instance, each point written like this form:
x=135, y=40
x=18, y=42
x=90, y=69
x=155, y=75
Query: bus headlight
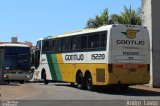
x=27, y=76
x=5, y=76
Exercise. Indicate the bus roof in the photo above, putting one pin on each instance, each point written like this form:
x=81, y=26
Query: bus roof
x=13, y=45
x=78, y=32
x=85, y=31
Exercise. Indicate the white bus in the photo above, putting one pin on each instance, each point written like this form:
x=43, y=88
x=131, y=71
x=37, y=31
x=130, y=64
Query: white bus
x=17, y=62
x=109, y=55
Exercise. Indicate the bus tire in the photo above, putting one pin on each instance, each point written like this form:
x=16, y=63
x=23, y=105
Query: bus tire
x=72, y=84
x=88, y=82
x=125, y=87
x=22, y=82
x=80, y=81
x=7, y=82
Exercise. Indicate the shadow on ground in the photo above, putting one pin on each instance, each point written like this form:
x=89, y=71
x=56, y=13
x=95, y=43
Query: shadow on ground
x=128, y=92
x=10, y=84
x=114, y=91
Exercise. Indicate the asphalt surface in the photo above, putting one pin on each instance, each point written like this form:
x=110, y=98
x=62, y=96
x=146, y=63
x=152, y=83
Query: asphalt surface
x=62, y=94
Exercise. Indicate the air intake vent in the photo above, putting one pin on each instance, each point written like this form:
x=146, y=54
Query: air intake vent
x=100, y=75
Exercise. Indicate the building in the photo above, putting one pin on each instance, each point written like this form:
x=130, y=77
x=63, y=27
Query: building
x=15, y=40
x=151, y=19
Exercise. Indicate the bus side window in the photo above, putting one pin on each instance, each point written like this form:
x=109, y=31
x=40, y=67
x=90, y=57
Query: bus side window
x=84, y=42
x=57, y=44
x=96, y=40
x=76, y=43
x=38, y=46
x=53, y=45
x=93, y=41
x=66, y=44
x=68, y=47
x=45, y=45
x=64, y=41
x=103, y=40
x=50, y=45
x=73, y=43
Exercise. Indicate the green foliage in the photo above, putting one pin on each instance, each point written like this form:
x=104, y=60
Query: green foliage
x=127, y=16
x=98, y=21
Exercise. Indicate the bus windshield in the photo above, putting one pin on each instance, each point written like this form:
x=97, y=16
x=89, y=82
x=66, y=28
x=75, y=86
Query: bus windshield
x=17, y=58
x=10, y=61
x=23, y=61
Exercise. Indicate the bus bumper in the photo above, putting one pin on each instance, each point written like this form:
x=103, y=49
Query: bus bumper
x=17, y=76
x=130, y=80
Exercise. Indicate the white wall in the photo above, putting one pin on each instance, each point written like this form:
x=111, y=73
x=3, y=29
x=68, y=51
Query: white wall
x=151, y=19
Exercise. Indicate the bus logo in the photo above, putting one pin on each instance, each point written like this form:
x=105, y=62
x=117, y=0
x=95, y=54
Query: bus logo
x=131, y=33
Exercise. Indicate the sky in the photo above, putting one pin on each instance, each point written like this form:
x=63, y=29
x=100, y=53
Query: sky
x=30, y=20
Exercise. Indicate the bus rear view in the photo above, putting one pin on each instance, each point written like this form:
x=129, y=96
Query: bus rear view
x=129, y=55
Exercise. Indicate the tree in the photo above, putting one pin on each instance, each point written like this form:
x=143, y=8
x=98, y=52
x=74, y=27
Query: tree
x=98, y=21
x=127, y=16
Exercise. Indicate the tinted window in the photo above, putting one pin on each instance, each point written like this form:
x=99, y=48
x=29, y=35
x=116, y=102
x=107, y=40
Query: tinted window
x=93, y=41
x=87, y=42
x=50, y=45
x=76, y=43
x=53, y=45
x=103, y=40
x=45, y=45
x=84, y=42
x=17, y=58
x=38, y=46
x=57, y=44
x=66, y=44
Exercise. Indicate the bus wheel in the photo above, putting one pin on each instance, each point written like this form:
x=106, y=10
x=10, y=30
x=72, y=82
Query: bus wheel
x=80, y=81
x=72, y=84
x=7, y=82
x=124, y=87
x=88, y=82
x=45, y=79
x=22, y=82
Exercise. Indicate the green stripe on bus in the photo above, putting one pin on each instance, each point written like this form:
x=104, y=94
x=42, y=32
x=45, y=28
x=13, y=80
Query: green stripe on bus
x=51, y=67
x=54, y=68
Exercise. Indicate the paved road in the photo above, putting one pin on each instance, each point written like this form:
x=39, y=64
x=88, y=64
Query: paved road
x=40, y=94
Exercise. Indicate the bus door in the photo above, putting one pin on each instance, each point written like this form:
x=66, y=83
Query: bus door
x=37, y=58
x=37, y=54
